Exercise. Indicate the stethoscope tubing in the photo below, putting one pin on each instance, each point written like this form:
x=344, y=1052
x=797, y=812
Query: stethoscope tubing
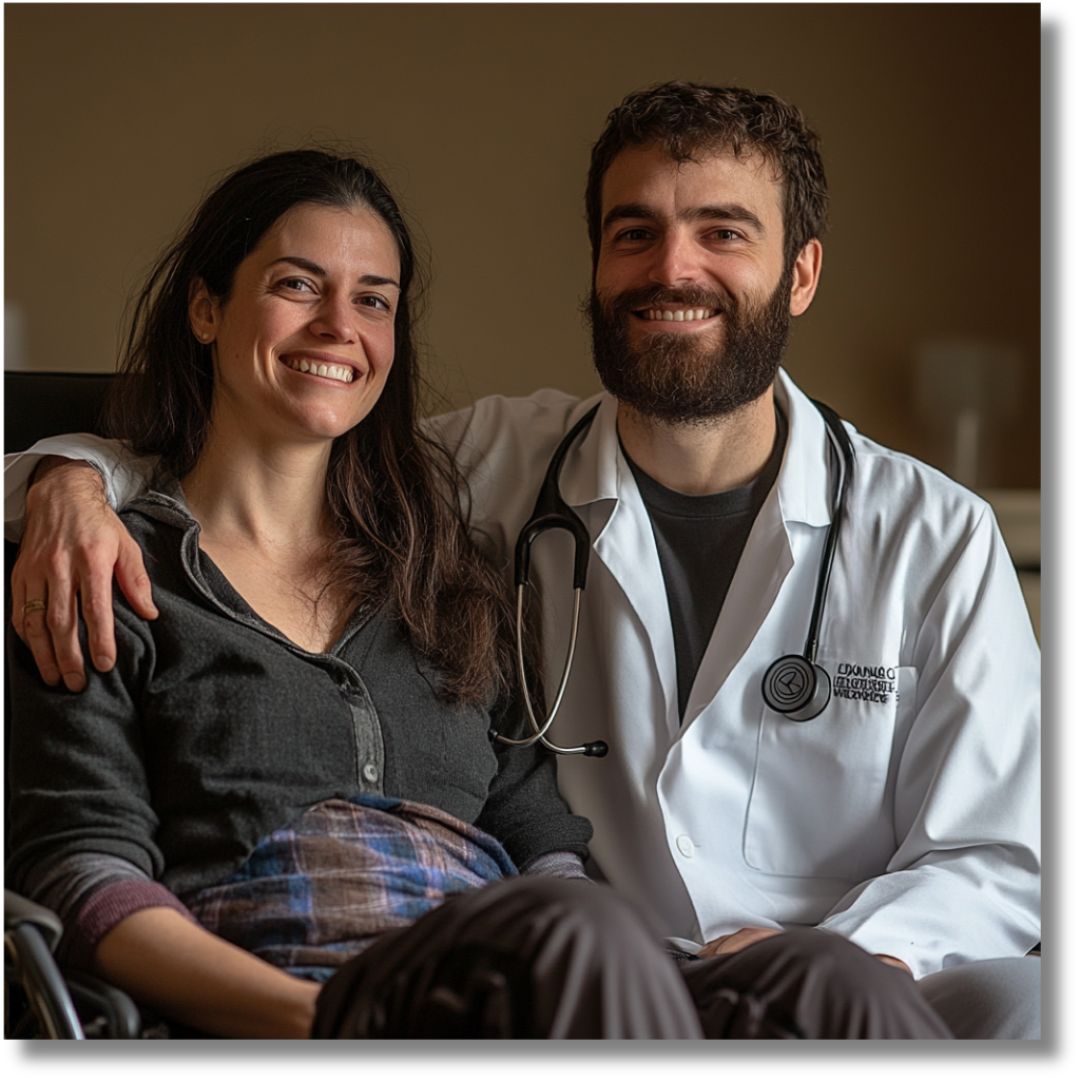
x=552, y=512
x=845, y=460
x=541, y=732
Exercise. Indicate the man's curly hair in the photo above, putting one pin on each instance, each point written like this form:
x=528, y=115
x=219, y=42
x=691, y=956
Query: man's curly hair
x=689, y=120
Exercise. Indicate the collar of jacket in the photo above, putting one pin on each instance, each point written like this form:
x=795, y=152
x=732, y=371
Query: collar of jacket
x=164, y=501
x=592, y=472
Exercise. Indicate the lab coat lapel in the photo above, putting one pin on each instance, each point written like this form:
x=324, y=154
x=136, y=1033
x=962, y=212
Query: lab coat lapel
x=625, y=544
x=766, y=561
x=799, y=497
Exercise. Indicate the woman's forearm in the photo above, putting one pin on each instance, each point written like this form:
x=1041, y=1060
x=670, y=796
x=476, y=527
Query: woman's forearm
x=189, y=974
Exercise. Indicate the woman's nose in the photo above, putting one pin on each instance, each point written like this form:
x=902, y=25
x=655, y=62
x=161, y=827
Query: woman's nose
x=335, y=319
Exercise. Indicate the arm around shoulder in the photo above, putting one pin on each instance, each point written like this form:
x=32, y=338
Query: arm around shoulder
x=123, y=475
x=72, y=545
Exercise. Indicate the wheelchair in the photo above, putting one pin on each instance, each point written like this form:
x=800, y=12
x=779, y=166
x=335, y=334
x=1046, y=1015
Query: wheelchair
x=40, y=999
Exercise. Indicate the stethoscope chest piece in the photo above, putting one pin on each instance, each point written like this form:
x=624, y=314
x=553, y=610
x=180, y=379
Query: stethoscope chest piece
x=796, y=688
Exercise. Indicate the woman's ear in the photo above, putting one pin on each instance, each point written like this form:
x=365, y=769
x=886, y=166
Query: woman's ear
x=202, y=312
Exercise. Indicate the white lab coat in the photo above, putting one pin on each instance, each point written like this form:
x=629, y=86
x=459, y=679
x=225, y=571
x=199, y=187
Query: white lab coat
x=906, y=819
x=909, y=824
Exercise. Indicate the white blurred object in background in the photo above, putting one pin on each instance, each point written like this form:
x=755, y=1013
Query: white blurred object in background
x=15, y=358
x=965, y=390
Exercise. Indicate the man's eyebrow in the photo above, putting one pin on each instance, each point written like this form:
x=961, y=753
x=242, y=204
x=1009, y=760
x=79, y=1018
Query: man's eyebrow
x=725, y=212
x=622, y=211
x=318, y=271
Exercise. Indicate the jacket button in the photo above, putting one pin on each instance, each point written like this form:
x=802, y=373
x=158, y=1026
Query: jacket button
x=685, y=846
x=371, y=773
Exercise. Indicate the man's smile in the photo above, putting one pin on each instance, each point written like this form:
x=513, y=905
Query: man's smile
x=676, y=314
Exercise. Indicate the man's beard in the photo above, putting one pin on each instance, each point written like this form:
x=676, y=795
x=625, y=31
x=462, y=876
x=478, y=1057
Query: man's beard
x=690, y=378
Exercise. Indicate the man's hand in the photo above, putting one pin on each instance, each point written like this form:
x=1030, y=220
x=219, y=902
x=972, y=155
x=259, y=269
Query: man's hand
x=736, y=942
x=893, y=961
x=748, y=935
x=71, y=546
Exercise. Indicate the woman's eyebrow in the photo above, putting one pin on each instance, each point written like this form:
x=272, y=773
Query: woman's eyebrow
x=314, y=268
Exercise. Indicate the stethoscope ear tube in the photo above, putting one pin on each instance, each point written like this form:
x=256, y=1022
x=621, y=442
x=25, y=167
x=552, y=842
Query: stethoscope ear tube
x=552, y=512
x=592, y=749
x=538, y=525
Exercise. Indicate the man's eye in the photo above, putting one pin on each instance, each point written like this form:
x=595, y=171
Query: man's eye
x=633, y=235
x=725, y=234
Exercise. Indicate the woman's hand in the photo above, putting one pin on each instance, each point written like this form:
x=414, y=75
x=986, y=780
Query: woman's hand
x=72, y=545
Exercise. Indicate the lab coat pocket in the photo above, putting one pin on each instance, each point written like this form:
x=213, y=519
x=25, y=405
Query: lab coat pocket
x=820, y=803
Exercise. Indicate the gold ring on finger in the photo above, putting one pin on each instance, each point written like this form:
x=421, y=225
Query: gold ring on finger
x=32, y=605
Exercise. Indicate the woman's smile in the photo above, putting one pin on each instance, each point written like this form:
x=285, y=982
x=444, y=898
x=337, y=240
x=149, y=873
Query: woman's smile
x=323, y=366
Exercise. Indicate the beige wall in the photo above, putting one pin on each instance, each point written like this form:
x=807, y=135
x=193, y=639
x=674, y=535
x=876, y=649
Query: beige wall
x=481, y=118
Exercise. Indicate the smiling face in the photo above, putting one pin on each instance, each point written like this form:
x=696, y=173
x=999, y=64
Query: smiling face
x=304, y=343
x=691, y=299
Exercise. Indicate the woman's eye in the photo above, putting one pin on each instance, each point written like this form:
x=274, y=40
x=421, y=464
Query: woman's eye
x=376, y=302
x=296, y=285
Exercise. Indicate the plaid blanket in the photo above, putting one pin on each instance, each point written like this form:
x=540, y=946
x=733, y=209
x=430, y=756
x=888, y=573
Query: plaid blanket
x=314, y=894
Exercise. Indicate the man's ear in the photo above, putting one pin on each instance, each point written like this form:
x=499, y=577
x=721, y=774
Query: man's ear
x=203, y=312
x=804, y=279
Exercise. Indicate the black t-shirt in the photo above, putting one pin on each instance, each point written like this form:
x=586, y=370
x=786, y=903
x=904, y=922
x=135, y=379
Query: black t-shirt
x=700, y=539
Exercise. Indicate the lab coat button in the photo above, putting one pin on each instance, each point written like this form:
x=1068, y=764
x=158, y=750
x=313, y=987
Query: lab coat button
x=685, y=846
x=371, y=773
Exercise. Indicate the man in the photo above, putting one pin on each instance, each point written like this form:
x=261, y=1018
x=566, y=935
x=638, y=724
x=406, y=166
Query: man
x=903, y=814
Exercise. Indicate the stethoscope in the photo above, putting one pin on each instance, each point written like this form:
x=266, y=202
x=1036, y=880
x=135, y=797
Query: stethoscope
x=795, y=686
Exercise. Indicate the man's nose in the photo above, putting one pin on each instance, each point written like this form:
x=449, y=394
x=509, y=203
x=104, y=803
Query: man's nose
x=675, y=261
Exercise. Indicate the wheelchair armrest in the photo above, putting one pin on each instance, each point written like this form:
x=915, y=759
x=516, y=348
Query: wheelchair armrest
x=28, y=959
x=60, y=1000
x=18, y=910
x=112, y=1009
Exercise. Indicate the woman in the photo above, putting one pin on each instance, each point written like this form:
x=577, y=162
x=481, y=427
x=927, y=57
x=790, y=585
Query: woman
x=288, y=773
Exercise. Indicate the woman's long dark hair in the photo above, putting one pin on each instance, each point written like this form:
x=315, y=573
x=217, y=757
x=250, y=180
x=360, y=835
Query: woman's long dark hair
x=393, y=492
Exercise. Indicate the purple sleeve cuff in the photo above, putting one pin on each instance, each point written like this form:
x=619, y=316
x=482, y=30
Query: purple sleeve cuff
x=108, y=906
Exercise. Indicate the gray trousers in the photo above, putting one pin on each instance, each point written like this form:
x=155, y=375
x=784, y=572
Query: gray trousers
x=990, y=999
x=561, y=959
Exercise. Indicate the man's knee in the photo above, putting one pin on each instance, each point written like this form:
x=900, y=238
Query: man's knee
x=988, y=999
x=834, y=960
x=526, y=911
x=815, y=984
